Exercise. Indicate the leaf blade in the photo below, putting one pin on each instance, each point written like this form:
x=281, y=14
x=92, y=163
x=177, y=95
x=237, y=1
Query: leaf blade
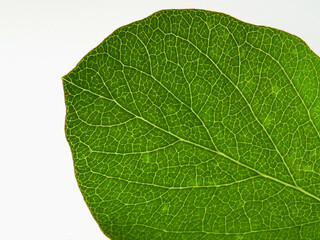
x=195, y=102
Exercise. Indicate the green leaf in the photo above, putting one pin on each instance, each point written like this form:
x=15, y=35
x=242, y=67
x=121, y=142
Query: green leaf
x=191, y=124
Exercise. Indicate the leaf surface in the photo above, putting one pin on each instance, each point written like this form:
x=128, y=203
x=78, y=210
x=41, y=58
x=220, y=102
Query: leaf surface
x=191, y=124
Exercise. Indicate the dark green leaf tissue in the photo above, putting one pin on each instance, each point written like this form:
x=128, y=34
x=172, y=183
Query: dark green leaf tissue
x=191, y=124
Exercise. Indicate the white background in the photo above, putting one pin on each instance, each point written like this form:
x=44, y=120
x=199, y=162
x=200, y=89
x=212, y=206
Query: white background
x=40, y=41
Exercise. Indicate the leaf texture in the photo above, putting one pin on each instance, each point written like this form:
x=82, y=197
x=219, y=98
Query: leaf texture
x=190, y=124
